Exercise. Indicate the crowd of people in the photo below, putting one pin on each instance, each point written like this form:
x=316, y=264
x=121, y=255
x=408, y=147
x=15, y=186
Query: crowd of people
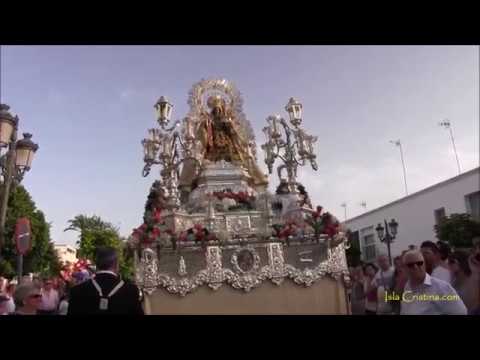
x=432, y=280
x=87, y=292
x=34, y=295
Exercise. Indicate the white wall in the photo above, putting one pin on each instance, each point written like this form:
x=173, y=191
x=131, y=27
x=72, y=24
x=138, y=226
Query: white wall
x=415, y=213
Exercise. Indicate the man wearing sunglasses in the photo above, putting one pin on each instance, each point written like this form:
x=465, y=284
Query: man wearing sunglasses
x=427, y=295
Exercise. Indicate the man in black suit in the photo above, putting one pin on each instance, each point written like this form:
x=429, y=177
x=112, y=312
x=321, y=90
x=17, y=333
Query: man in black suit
x=106, y=293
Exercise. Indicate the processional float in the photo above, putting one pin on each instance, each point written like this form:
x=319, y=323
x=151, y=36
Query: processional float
x=214, y=240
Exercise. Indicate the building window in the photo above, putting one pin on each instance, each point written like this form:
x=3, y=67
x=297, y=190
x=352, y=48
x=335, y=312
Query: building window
x=369, y=249
x=472, y=202
x=370, y=252
x=439, y=214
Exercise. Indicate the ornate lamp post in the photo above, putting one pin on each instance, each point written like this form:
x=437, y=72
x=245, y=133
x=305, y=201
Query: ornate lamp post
x=294, y=148
x=15, y=162
x=387, y=234
x=169, y=148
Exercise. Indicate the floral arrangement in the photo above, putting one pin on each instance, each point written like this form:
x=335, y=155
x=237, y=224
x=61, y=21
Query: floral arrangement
x=153, y=230
x=289, y=230
x=198, y=233
x=321, y=224
x=242, y=198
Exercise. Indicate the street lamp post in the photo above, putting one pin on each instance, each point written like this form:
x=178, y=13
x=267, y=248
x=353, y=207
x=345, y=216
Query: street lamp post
x=14, y=163
x=344, y=205
x=447, y=125
x=387, y=234
x=294, y=149
x=399, y=144
x=364, y=205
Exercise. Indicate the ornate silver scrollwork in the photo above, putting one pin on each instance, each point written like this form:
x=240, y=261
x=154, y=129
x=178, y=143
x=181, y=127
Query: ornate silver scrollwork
x=243, y=277
x=214, y=267
x=238, y=224
x=246, y=263
x=149, y=270
x=276, y=270
x=245, y=260
x=182, y=267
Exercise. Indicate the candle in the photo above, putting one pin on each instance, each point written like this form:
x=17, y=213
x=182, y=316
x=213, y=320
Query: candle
x=189, y=128
x=274, y=126
x=273, y=121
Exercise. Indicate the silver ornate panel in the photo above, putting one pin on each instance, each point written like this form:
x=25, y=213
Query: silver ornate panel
x=214, y=275
x=238, y=224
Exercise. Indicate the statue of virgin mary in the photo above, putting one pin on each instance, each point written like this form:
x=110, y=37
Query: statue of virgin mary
x=221, y=140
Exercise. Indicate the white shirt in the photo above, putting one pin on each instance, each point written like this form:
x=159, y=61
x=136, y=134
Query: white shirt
x=383, y=280
x=63, y=307
x=442, y=273
x=10, y=305
x=49, y=300
x=106, y=272
x=433, y=297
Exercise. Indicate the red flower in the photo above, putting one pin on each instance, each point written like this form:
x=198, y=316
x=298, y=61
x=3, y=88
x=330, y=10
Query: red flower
x=330, y=230
x=284, y=233
x=156, y=231
x=200, y=235
x=157, y=217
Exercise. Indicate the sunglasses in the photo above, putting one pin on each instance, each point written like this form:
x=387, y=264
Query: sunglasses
x=412, y=264
x=35, y=296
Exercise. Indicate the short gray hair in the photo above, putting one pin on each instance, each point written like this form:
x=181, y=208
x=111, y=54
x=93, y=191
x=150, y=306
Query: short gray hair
x=412, y=252
x=23, y=291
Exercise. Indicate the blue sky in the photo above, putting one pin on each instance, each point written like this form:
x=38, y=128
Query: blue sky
x=89, y=107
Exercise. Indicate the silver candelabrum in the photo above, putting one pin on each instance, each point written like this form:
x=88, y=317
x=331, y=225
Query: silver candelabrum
x=169, y=148
x=295, y=148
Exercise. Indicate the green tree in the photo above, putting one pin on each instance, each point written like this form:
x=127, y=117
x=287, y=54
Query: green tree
x=458, y=230
x=83, y=222
x=94, y=233
x=42, y=258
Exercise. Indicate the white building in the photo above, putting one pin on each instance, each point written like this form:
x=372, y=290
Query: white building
x=66, y=253
x=417, y=214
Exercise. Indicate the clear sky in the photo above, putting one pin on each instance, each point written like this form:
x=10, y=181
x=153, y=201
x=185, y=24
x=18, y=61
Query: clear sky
x=89, y=107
